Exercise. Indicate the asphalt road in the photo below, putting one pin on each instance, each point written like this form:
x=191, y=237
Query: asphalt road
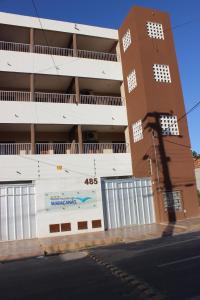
x=62, y=277
x=170, y=266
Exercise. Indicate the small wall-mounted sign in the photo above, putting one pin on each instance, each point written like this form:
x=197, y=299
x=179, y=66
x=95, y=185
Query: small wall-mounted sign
x=59, y=167
x=71, y=200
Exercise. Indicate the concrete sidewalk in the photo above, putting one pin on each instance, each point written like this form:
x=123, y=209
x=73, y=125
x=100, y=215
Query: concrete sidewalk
x=13, y=250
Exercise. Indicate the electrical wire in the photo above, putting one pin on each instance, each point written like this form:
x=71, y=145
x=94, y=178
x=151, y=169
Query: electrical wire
x=56, y=67
x=181, y=118
x=68, y=170
x=44, y=33
x=137, y=39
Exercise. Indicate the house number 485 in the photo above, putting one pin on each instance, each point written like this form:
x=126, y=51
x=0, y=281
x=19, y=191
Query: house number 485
x=91, y=181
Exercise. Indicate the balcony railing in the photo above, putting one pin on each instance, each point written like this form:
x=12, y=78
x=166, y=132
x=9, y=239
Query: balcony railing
x=101, y=100
x=21, y=47
x=97, y=55
x=9, y=46
x=15, y=149
x=14, y=96
x=105, y=148
x=53, y=50
x=57, y=148
x=55, y=97
x=63, y=148
x=60, y=98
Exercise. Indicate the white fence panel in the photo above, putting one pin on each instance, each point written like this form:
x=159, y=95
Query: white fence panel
x=17, y=212
x=127, y=202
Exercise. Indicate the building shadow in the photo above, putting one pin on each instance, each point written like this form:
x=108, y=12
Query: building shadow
x=163, y=184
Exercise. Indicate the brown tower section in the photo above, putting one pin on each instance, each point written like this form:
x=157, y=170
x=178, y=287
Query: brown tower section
x=160, y=144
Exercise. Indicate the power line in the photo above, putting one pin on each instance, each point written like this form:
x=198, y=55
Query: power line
x=168, y=29
x=44, y=33
x=140, y=38
x=182, y=117
x=67, y=170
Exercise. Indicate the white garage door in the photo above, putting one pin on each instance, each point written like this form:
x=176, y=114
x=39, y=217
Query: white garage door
x=17, y=212
x=127, y=202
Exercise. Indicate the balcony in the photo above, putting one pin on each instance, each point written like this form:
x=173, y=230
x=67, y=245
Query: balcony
x=61, y=98
x=49, y=50
x=63, y=148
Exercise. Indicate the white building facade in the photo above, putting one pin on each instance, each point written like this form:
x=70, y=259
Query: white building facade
x=63, y=126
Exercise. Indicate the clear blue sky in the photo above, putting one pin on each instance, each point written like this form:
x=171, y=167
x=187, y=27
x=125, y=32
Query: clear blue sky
x=110, y=13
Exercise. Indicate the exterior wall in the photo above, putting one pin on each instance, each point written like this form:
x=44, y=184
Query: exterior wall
x=170, y=156
x=197, y=174
x=22, y=62
x=52, y=113
x=82, y=164
x=42, y=170
x=31, y=22
x=166, y=159
x=46, y=216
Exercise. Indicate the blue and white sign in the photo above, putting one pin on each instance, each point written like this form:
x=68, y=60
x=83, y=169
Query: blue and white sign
x=71, y=200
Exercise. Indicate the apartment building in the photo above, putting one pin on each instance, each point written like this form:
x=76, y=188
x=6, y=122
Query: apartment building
x=76, y=110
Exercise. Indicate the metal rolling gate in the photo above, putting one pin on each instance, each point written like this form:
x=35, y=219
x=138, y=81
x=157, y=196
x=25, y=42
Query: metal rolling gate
x=17, y=212
x=127, y=202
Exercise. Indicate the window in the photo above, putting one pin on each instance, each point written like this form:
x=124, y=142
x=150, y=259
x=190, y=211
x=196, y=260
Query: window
x=161, y=73
x=131, y=81
x=172, y=200
x=126, y=40
x=137, y=131
x=155, y=30
x=169, y=125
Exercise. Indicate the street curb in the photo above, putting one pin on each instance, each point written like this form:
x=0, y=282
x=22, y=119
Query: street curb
x=47, y=249
x=62, y=247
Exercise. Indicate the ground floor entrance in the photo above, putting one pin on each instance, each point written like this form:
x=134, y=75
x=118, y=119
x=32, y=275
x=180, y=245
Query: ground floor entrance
x=127, y=202
x=17, y=211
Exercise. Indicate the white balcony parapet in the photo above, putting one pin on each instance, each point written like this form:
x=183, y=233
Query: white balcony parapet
x=49, y=50
x=63, y=148
x=60, y=98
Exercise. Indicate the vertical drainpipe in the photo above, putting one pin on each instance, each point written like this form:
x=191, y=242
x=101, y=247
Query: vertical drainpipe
x=32, y=92
x=77, y=90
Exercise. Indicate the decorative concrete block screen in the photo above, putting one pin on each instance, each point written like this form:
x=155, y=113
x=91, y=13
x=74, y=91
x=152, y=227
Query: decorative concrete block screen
x=155, y=30
x=131, y=81
x=137, y=131
x=169, y=125
x=161, y=73
x=172, y=200
x=126, y=40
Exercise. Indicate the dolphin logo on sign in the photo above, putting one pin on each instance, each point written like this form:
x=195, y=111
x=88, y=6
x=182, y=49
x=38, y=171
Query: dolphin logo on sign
x=83, y=199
